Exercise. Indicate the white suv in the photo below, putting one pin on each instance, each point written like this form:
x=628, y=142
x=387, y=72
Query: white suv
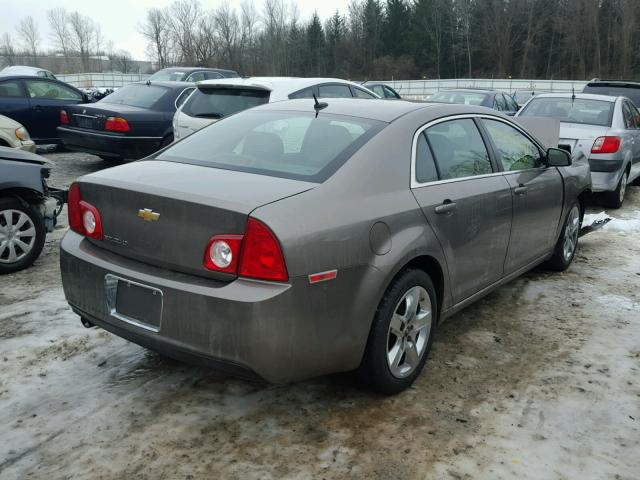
x=215, y=99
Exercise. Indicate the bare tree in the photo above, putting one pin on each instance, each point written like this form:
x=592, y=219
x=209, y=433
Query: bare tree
x=124, y=61
x=7, y=49
x=29, y=35
x=82, y=29
x=227, y=29
x=59, y=31
x=156, y=30
x=183, y=15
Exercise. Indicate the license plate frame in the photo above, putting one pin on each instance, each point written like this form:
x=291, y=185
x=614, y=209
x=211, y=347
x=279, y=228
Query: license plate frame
x=84, y=121
x=134, y=303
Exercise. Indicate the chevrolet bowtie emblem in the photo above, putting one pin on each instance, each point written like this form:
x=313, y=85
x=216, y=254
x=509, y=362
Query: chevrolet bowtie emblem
x=148, y=215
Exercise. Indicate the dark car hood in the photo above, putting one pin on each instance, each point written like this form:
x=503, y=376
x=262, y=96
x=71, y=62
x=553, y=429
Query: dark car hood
x=22, y=156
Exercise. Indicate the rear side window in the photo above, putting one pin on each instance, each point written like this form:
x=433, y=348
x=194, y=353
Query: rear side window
x=306, y=93
x=425, y=166
x=458, y=149
x=334, y=91
x=295, y=145
x=221, y=102
x=10, y=88
x=629, y=118
x=516, y=151
x=360, y=93
x=463, y=98
x=137, y=95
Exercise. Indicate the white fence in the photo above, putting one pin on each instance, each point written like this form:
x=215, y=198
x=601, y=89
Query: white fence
x=422, y=89
x=102, y=80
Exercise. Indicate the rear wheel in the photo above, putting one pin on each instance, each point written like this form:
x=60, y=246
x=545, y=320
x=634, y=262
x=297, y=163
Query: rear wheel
x=567, y=244
x=616, y=198
x=22, y=235
x=401, y=334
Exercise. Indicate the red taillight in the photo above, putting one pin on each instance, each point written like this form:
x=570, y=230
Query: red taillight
x=116, y=124
x=606, y=145
x=222, y=253
x=261, y=256
x=256, y=254
x=64, y=118
x=84, y=218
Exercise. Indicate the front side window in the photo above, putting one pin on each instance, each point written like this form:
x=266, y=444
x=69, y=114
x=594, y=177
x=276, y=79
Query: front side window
x=306, y=93
x=458, y=149
x=50, y=90
x=390, y=93
x=500, y=103
x=220, y=102
x=568, y=110
x=296, y=145
x=360, y=93
x=196, y=77
x=136, y=95
x=334, y=91
x=516, y=152
x=10, y=88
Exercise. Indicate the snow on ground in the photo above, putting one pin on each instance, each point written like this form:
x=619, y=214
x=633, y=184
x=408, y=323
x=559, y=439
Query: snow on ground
x=539, y=380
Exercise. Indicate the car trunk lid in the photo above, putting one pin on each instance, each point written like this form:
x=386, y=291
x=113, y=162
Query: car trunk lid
x=94, y=116
x=164, y=213
x=579, y=138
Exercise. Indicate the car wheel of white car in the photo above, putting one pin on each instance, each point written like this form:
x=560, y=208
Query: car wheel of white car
x=22, y=235
x=401, y=334
x=616, y=198
x=567, y=244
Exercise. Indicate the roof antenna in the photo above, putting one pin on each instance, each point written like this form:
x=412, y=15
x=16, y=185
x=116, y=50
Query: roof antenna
x=148, y=82
x=317, y=106
x=573, y=94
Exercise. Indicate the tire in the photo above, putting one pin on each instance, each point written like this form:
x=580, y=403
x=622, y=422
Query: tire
x=615, y=199
x=389, y=366
x=567, y=244
x=25, y=219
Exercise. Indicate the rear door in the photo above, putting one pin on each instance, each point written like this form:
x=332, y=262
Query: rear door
x=537, y=193
x=630, y=114
x=14, y=103
x=466, y=202
x=46, y=99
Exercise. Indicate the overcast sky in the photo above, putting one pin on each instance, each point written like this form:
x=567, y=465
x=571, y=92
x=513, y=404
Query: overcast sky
x=119, y=18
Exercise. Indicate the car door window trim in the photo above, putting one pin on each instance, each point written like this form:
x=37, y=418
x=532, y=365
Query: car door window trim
x=414, y=182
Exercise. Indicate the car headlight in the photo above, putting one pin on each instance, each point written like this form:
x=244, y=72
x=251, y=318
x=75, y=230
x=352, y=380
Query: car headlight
x=22, y=134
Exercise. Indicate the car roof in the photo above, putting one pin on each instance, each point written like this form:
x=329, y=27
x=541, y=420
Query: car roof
x=471, y=90
x=194, y=69
x=613, y=83
x=280, y=87
x=21, y=70
x=168, y=84
x=583, y=96
x=374, y=109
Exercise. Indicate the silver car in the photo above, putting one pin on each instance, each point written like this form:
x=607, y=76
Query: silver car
x=297, y=239
x=605, y=129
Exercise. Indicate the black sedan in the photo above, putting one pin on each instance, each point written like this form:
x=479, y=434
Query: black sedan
x=482, y=98
x=131, y=123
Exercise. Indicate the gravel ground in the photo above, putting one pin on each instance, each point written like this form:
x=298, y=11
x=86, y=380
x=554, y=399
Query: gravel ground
x=539, y=380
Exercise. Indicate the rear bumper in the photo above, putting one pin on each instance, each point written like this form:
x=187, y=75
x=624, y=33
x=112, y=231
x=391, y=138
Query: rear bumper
x=108, y=145
x=605, y=181
x=277, y=332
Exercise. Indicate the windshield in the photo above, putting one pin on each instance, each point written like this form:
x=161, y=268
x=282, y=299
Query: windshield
x=579, y=110
x=220, y=102
x=464, y=98
x=296, y=145
x=136, y=95
x=168, y=76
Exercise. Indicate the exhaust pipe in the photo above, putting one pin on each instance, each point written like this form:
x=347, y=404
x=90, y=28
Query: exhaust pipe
x=86, y=323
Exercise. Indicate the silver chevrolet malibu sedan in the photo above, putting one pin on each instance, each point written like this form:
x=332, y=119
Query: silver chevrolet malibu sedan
x=298, y=239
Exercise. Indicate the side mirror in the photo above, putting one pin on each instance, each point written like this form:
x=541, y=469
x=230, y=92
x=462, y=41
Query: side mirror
x=558, y=158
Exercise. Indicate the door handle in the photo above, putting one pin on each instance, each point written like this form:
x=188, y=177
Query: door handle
x=520, y=190
x=447, y=207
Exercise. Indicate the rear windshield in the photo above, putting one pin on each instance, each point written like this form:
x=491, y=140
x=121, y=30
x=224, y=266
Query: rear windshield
x=579, y=110
x=463, y=98
x=221, y=102
x=631, y=92
x=296, y=145
x=137, y=95
x=168, y=76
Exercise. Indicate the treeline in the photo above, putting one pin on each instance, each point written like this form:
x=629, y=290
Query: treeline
x=569, y=39
x=75, y=44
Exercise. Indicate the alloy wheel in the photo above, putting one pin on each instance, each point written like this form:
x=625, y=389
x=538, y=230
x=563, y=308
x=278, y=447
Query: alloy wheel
x=623, y=186
x=409, y=332
x=17, y=235
x=571, y=230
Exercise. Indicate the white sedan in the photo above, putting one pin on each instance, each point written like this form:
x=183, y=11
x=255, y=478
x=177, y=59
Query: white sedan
x=215, y=99
x=14, y=135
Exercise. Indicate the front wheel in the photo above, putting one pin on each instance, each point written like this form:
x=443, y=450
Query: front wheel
x=401, y=334
x=22, y=235
x=567, y=244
